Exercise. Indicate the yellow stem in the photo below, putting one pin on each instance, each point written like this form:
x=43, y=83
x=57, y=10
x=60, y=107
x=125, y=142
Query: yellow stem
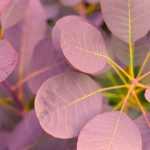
x=141, y=108
x=33, y=75
x=131, y=47
x=143, y=86
x=144, y=63
x=80, y=99
x=114, y=65
x=119, y=118
x=118, y=106
x=144, y=76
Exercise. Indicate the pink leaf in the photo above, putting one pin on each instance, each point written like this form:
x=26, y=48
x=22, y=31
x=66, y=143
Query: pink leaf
x=110, y=131
x=14, y=13
x=118, y=13
x=70, y=2
x=147, y=94
x=141, y=49
x=27, y=132
x=145, y=131
x=33, y=30
x=92, y=1
x=3, y=5
x=57, y=108
x=78, y=47
x=8, y=59
x=53, y=64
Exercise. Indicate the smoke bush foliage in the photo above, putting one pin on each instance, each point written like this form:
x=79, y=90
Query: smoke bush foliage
x=74, y=75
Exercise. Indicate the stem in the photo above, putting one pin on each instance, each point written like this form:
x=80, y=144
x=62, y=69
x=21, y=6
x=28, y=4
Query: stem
x=114, y=65
x=1, y=33
x=131, y=47
x=144, y=76
x=143, y=86
x=142, y=108
x=80, y=8
x=34, y=74
x=118, y=106
x=116, y=126
x=13, y=95
x=110, y=95
x=80, y=99
x=144, y=63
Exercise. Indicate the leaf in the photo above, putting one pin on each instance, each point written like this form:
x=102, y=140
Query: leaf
x=96, y=19
x=78, y=47
x=33, y=30
x=27, y=34
x=8, y=59
x=26, y=132
x=29, y=135
x=104, y=132
x=52, y=10
x=53, y=64
x=59, y=26
x=57, y=108
x=70, y=2
x=3, y=5
x=8, y=119
x=145, y=131
x=14, y=13
x=141, y=49
x=92, y=1
x=13, y=35
x=47, y=142
x=147, y=94
x=120, y=15
x=4, y=139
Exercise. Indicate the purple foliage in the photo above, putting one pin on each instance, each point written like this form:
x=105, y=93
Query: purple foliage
x=74, y=74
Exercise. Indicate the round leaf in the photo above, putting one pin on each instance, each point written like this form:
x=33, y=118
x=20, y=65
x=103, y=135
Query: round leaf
x=58, y=106
x=147, y=94
x=80, y=49
x=110, y=131
x=121, y=15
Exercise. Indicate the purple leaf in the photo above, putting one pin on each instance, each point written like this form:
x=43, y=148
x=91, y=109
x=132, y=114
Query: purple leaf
x=118, y=13
x=8, y=59
x=92, y=1
x=78, y=47
x=147, y=94
x=14, y=13
x=4, y=139
x=26, y=132
x=13, y=35
x=53, y=64
x=8, y=119
x=145, y=131
x=59, y=26
x=96, y=19
x=70, y=2
x=52, y=11
x=141, y=48
x=110, y=131
x=33, y=30
x=46, y=142
x=26, y=35
x=57, y=108
x=3, y=5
